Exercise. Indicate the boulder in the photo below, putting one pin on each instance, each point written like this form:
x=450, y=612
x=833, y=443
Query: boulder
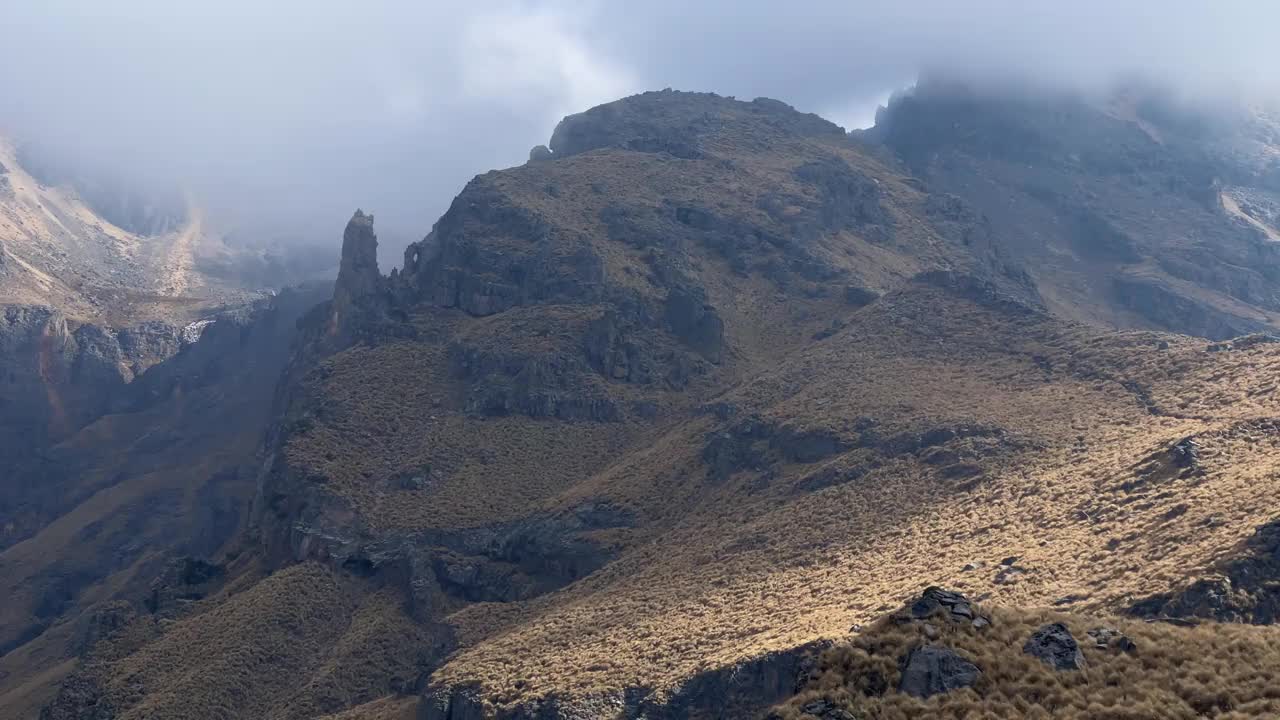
x=540, y=153
x=826, y=710
x=1054, y=645
x=1185, y=453
x=1107, y=638
x=949, y=604
x=933, y=669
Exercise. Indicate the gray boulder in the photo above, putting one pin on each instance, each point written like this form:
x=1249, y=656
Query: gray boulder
x=540, y=153
x=949, y=604
x=933, y=669
x=1055, y=646
x=1106, y=638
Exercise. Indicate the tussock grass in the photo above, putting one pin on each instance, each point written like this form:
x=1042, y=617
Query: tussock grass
x=300, y=643
x=1212, y=670
x=1081, y=494
x=718, y=570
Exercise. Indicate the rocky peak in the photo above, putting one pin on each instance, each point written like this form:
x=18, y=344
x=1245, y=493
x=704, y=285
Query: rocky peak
x=358, y=274
x=679, y=123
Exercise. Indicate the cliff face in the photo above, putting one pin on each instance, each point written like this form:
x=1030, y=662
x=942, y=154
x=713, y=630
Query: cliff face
x=358, y=275
x=641, y=422
x=128, y=475
x=62, y=374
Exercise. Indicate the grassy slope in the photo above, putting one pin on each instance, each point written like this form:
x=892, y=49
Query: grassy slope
x=739, y=571
x=1077, y=481
x=1176, y=673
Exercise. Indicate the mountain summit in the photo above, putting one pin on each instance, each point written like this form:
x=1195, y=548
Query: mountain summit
x=643, y=427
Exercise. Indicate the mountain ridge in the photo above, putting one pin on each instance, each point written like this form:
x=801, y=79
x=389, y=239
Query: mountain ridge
x=709, y=381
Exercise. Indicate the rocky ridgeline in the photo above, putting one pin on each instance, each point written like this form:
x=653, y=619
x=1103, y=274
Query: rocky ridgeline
x=930, y=662
x=744, y=690
x=927, y=668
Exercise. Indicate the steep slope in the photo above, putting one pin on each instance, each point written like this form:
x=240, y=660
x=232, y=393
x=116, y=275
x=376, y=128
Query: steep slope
x=138, y=372
x=1127, y=214
x=87, y=306
x=925, y=661
x=700, y=386
x=166, y=472
x=55, y=250
x=903, y=449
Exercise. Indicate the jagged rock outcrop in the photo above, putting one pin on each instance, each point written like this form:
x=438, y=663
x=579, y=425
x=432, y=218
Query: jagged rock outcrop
x=538, y=386
x=540, y=153
x=932, y=670
x=358, y=276
x=951, y=606
x=744, y=689
x=183, y=580
x=695, y=322
x=1055, y=646
x=503, y=562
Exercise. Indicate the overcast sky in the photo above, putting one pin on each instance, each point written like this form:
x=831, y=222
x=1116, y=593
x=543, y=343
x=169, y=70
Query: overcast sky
x=298, y=111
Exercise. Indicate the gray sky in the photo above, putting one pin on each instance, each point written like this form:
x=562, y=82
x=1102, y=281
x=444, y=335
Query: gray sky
x=289, y=114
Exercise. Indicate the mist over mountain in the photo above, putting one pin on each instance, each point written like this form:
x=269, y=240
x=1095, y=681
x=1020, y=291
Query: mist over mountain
x=277, y=117
x=417, y=361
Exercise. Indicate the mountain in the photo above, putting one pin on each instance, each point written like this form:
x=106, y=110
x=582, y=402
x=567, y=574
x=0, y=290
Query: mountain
x=138, y=372
x=59, y=251
x=642, y=427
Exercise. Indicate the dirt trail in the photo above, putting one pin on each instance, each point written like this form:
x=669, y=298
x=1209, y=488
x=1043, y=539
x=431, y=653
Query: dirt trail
x=178, y=268
x=1233, y=207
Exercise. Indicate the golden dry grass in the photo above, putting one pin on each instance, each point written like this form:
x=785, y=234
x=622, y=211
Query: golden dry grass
x=301, y=643
x=1209, y=671
x=718, y=570
x=727, y=572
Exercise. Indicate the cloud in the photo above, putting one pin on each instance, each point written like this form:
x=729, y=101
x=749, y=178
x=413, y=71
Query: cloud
x=536, y=59
x=284, y=116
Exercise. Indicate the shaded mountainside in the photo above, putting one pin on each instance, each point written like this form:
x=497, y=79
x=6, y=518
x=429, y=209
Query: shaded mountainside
x=644, y=425
x=86, y=305
x=1126, y=213
x=165, y=471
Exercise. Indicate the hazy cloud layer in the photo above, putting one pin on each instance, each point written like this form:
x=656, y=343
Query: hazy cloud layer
x=284, y=116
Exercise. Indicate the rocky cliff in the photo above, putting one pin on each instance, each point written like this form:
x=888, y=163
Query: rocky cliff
x=643, y=424
x=135, y=471
x=61, y=375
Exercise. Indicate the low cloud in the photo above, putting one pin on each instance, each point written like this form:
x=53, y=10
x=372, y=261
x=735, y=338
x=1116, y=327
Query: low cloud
x=282, y=117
